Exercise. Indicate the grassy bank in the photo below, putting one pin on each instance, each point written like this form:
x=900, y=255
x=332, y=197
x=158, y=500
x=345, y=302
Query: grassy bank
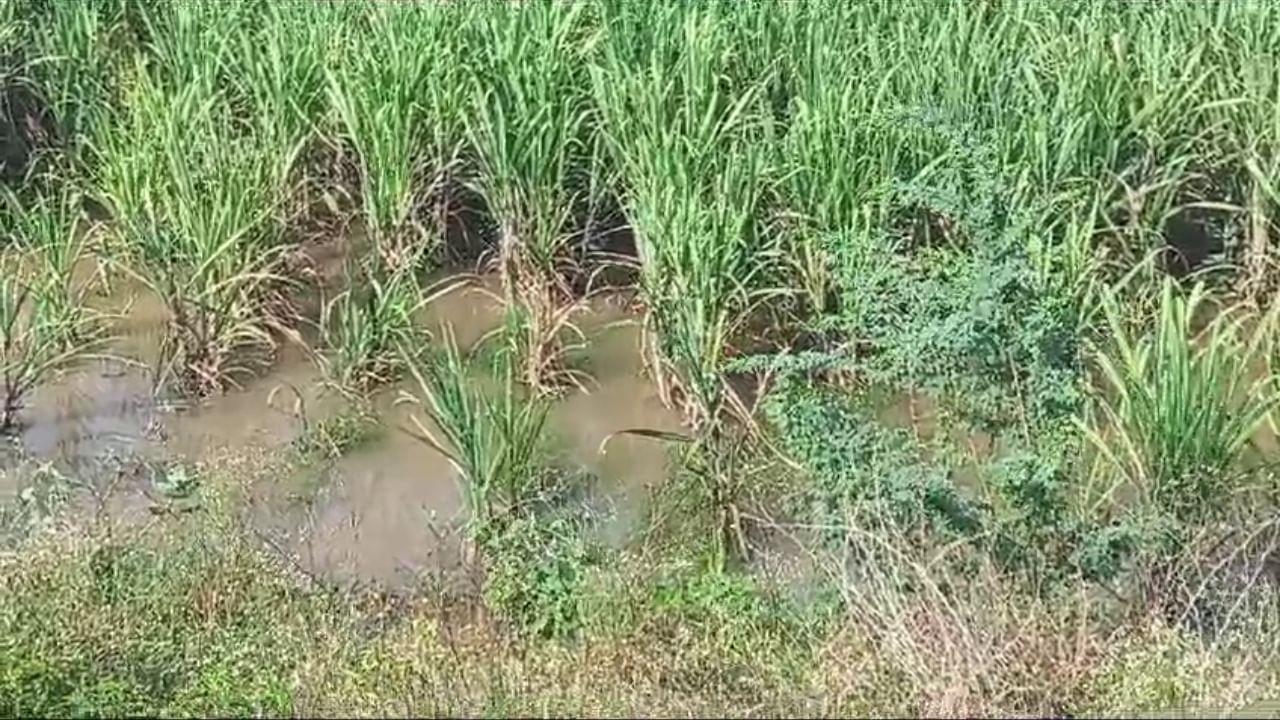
x=191, y=616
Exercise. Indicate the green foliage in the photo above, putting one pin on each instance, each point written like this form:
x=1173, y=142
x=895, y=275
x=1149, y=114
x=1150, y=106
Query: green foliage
x=697, y=174
x=860, y=467
x=1040, y=533
x=529, y=125
x=176, y=481
x=688, y=604
x=78, y=71
x=366, y=325
x=125, y=628
x=276, y=68
x=192, y=201
x=706, y=596
x=864, y=473
x=374, y=85
x=967, y=320
x=494, y=440
x=535, y=565
x=52, y=235
x=32, y=347
x=1179, y=404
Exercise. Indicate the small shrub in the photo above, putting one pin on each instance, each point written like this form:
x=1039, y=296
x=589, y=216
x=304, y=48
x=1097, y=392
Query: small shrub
x=858, y=466
x=534, y=568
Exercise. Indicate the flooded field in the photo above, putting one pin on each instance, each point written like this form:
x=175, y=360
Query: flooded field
x=382, y=512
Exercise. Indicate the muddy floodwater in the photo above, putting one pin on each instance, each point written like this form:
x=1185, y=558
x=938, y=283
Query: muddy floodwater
x=384, y=512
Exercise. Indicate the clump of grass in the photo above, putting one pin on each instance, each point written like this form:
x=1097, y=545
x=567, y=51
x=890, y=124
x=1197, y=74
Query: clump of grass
x=681, y=135
x=396, y=103
x=1179, y=403
x=53, y=236
x=31, y=345
x=493, y=439
x=77, y=69
x=276, y=69
x=193, y=203
x=367, y=326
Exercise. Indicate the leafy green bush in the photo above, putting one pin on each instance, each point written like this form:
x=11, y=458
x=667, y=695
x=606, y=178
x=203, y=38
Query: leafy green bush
x=859, y=466
x=534, y=573
x=1039, y=534
x=964, y=317
x=865, y=473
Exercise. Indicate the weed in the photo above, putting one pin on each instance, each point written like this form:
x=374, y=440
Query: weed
x=534, y=573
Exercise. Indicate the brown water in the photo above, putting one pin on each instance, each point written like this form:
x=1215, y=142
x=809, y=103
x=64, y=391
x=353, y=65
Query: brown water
x=382, y=513
x=392, y=510
x=388, y=511
x=469, y=311
x=620, y=397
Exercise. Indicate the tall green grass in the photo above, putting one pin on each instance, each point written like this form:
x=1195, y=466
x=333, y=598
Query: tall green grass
x=493, y=438
x=375, y=84
x=277, y=73
x=530, y=128
x=1181, y=401
x=690, y=145
x=78, y=43
x=746, y=137
x=373, y=330
x=53, y=237
x=191, y=201
x=32, y=347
